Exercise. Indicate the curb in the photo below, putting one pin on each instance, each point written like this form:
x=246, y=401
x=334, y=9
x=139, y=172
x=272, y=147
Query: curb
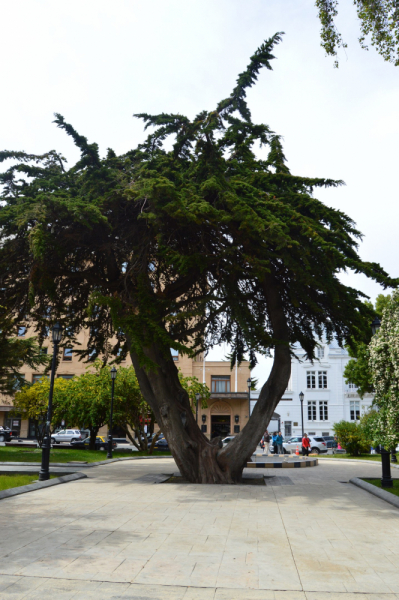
x=283, y=465
x=93, y=464
x=360, y=461
x=31, y=487
x=382, y=494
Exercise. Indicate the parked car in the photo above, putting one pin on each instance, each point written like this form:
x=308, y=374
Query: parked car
x=5, y=434
x=329, y=439
x=66, y=435
x=162, y=444
x=227, y=440
x=101, y=443
x=317, y=445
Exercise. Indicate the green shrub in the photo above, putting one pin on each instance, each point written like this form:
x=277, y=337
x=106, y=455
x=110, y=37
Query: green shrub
x=353, y=437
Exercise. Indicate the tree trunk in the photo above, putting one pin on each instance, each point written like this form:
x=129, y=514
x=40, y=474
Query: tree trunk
x=201, y=460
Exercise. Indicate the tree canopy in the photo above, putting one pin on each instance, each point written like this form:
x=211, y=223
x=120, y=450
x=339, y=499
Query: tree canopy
x=379, y=22
x=189, y=240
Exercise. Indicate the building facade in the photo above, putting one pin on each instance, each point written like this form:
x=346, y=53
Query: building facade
x=227, y=411
x=327, y=398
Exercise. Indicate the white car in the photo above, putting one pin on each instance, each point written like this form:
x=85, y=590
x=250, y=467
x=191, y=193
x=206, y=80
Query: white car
x=66, y=435
x=228, y=439
x=317, y=445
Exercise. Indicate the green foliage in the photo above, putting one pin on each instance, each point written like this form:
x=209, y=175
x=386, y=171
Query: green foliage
x=379, y=21
x=193, y=387
x=352, y=437
x=14, y=353
x=369, y=423
x=384, y=366
x=31, y=402
x=357, y=370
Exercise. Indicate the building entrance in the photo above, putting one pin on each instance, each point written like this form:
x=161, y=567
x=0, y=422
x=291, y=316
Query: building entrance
x=220, y=425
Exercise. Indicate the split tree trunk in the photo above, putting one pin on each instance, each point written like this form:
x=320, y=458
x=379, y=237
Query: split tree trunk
x=201, y=460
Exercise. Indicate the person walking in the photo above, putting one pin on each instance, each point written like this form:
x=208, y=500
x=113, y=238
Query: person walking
x=266, y=439
x=305, y=445
x=274, y=441
x=334, y=444
x=279, y=442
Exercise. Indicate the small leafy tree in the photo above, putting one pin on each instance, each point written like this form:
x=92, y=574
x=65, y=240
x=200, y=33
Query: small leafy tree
x=31, y=403
x=353, y=437
x=384, y=366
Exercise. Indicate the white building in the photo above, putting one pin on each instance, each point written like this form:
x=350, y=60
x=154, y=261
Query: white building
x=327, y=398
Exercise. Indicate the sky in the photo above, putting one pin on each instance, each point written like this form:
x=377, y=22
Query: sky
x=99, y=62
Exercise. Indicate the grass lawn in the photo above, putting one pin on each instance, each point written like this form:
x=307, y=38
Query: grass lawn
x=14, y=480
x=377, y=482
x=63, y=456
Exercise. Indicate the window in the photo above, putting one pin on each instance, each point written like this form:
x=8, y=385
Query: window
x=43, y=350
x=323, y=410
x=322, y=379
x=19, y=382
x=220, y=383
x=67, y=354
x=37, y=378
x=21, y=331
x=320, y=352
x=66, y=376
x=312, y=416
x=311, y=379
x=352, y=386
x=174, y=353
x=355, y=410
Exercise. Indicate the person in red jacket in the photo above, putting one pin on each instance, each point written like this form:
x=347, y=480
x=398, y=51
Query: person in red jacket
x=305, y=445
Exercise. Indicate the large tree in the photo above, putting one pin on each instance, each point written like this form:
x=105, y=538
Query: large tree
x=187, y=241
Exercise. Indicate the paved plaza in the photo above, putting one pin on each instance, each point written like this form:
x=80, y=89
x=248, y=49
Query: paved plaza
x=306, y=535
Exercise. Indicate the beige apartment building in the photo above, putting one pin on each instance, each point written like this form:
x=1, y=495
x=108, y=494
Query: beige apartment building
x=227, y=411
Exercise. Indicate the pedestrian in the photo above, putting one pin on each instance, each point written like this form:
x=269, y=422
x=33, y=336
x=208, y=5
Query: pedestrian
x=266, y=439
x=262, y=444
x=305, y=445
x=279, y=443
x=274, y=441
x=334, y=444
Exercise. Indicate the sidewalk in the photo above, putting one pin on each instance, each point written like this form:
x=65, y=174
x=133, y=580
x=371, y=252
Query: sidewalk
x=306, y=535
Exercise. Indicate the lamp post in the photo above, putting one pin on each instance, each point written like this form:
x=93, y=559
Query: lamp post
x=249, y=383
x=197, y=397
x=386, y=479
x=301, y=397
x=113, y=377
x=44, y=472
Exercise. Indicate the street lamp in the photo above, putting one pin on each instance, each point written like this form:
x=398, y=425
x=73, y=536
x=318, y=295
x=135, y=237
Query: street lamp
x=386, y=479
x=44, y=472
x=197, y=397
x=249, y=383
x=113, y=377
x=375, y=325
x=301, y=397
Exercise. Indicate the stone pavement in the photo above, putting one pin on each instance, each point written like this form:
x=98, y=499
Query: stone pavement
x=306, y=535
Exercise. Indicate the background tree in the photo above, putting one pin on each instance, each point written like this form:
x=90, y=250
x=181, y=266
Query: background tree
x=15, y=352
x=31, y=402
x=183, y=245
x=379, y=21
x=384, y=366
x=357, y=370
